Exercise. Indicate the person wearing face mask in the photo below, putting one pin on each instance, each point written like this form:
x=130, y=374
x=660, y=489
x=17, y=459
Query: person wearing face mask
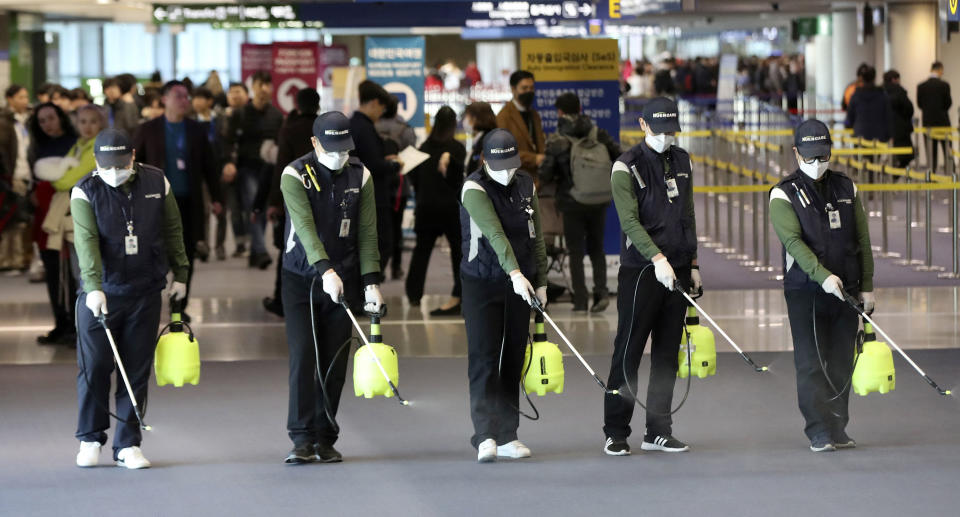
x=330, y=254
x=653, y=195
x=504, y=266
x=127, y=234
x=818, y=216
x=521, y=119
x=478, y=120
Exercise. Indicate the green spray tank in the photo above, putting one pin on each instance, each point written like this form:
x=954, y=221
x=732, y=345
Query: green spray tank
x=703, y=348
x=544, y=373
x=177, y=356
x=874, y=369
x=368, y=379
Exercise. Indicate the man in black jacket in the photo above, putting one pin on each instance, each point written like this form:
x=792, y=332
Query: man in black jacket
x=180, y=148
x=869, y=112
x=933, y=99
x=583, y=219
x=249, y=128
x=901, y=115
x=384, y=169
x=293, y=141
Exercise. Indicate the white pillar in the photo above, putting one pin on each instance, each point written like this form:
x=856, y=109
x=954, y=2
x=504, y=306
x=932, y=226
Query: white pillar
x=913, y=43
x=819, y=65
x=847, y=53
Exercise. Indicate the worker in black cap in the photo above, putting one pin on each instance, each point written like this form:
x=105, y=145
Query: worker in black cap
x=330, y=245
x=820, y=220
x=128, y=234
x=504, y=267
x=653, y=194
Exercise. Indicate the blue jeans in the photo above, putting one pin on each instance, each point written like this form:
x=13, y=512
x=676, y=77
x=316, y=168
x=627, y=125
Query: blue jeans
x=248, y=179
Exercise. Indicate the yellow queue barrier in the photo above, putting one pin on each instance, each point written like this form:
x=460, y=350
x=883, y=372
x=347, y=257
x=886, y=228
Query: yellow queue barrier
x=865, y=187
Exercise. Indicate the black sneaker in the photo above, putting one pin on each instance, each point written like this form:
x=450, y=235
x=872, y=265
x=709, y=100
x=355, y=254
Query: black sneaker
x=301, y=454
x=616, y=447
x=241, y=251
x=221, y=253
x=327, y=454
x=273, y=305
x=580, y=307
x=54, y=337
x=822, y=443
x=260, y=261
x=600, y=303
x=842, y=441
x=665, y=443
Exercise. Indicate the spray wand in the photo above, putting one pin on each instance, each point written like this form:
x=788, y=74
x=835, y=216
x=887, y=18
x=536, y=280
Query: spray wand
x=747, y=358
x=535, y=303
x=856, y=305
x=123, y=373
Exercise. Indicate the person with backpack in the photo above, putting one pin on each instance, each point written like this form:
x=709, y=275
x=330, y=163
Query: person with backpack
x=579, y=157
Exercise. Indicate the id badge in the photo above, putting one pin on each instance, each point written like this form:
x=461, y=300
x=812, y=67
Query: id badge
x=182, y=165
x=533, y=231
x=672, y=190
x=834, y=217
x=130, y=244
x=345, y=228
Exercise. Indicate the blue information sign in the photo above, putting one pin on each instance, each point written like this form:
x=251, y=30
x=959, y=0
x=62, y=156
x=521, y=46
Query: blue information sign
x=397, y=64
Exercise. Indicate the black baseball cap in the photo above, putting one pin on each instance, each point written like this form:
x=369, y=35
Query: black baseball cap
x=812, y=139
x=332, y=129
x=662, y=115
x=500, y=150
x=112, y=149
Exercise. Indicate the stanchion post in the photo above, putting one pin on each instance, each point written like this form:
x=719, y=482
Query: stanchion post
x=928, y=229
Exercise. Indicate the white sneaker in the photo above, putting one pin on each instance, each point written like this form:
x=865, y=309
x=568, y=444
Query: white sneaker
x=89, y=455
x=487, y=451
x=132, y=458
x=514, y=450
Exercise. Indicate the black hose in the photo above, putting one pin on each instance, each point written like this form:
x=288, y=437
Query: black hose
x=823, y=365
x=626, y=350
x=316, y=350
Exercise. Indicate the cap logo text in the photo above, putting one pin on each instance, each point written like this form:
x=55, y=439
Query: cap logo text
x=112, y=148
x=503, y=151
x=663, y=114
x=336, y=132
x=813, y=138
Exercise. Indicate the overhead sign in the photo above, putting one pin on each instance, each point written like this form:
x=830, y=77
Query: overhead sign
x=232, y=15
x=254, y=58
x=621, y=9
x=397, y=65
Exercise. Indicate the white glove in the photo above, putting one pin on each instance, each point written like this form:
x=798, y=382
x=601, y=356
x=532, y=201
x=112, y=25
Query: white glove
x=69, y=162
x=178, y=291
x=522, y=287
x=664, y=272
x=372, y=299
x=696, y=281
x=97, y=303
x=869, y=302
x=542, y=295
x=833, y=285
x=332, y=285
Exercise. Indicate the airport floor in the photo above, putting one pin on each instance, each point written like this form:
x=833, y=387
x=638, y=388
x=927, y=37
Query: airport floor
x=217, y=448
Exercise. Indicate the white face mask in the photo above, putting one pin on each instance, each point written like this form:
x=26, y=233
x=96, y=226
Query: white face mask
x=659, y=143
x=333, y=161
x=815, y=170
x=115, y=177
x=467, y=127
x=501, y=177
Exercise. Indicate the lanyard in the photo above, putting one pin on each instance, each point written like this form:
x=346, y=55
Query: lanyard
x=128, y=218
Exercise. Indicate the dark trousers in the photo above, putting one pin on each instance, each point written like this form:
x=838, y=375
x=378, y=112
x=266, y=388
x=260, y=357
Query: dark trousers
x=191, y=233
x=231, y=204
x=61, y=288
x=836, y=332
x=427, y=234
x=307, y=422
x=278, y=228
x=583, y=233
x=497, y=323
x=396, y=255
x=385, y=235
x=933, y=157
x=652, y=310
x=133, y=321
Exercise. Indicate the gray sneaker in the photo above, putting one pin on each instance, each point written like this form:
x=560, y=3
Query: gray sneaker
x=822, y=443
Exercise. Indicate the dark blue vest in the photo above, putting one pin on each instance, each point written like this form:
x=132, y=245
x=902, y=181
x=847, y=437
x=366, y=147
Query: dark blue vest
x=337, y=199
x=666, y=222
x=514, y=206
x=143, y=204
x=837, y=249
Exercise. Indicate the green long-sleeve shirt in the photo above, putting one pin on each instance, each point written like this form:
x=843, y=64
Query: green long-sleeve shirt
x=787, y=225
x=628, y=210
x=301, y=216
x=83, y=150
x=86, y=238
x=480, y=208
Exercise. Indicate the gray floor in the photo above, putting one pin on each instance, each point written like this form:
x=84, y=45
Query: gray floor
x=217, y=450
